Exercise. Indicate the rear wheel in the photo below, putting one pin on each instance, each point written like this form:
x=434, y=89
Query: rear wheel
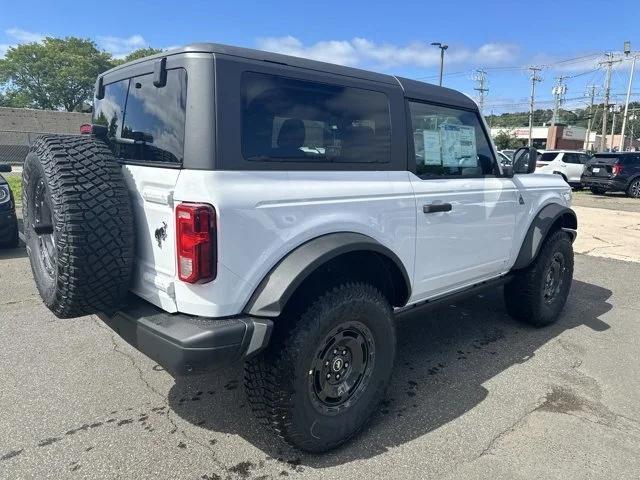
x=597, y=190
x=633, y=190
x=538, y=293
x=78, y=225
x=318, y=384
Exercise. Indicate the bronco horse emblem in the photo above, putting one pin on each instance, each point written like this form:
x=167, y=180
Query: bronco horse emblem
x=161, y=234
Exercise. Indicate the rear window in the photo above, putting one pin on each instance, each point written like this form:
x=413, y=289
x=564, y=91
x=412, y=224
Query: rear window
x=285, y=119
x=606, y=159
x=145, y=123
x=547, y=157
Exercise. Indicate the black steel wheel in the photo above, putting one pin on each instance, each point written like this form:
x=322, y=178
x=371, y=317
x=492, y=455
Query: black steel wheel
x=342, y=367
x=318, y=382
x=554, y=278
x=45, y=246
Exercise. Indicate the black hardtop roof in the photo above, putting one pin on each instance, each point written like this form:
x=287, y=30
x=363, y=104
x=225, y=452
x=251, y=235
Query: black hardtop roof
x=412, y=88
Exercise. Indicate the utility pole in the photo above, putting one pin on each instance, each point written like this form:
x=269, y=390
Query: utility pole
x=607, y=90
x=627, y=51
x=558, y=91
x=481, y=78
x=534, y=78
x=614, y=110
x=592, y=95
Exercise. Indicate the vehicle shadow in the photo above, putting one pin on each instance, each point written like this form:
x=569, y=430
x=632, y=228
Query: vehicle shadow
x=444, y=357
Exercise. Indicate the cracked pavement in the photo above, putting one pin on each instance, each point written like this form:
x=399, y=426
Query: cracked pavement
x=474, y=395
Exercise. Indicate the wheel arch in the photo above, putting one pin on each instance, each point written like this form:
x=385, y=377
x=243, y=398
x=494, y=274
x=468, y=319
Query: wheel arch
x=346, y=249
x=549, y=219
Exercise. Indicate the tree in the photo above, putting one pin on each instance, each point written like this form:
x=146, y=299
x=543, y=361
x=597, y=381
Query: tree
x=14, y=99
x=141, y=53
x=59, y=73
x=505, y=139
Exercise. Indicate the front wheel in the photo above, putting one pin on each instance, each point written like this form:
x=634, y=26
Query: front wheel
x=320, y=382
x=539, y=292
x=634, y=189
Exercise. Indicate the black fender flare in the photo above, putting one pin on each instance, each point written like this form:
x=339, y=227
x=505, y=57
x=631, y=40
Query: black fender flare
x=542, y=223
x=273, y=292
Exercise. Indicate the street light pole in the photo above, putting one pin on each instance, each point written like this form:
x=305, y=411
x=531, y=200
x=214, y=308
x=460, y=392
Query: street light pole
x=627, y=51
x=442, y=48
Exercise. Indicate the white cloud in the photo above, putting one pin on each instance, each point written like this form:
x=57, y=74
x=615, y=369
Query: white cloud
x=364, y=52
x=120, y=47
x=23, y=36
x=17, y=36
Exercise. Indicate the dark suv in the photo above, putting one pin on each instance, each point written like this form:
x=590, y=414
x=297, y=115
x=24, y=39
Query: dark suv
x=613, y=172
x=8, y=221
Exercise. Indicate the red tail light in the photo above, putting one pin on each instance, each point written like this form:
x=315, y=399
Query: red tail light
x=617, y=169
x=196, y=242
x=86, y=128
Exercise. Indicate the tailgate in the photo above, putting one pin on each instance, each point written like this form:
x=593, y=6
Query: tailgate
x=151, y=190
x=600, y=167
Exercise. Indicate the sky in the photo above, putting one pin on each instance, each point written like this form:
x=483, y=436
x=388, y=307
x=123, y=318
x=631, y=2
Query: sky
x=566, y=38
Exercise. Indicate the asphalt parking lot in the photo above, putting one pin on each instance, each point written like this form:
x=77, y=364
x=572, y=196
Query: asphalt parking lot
x=474, y=395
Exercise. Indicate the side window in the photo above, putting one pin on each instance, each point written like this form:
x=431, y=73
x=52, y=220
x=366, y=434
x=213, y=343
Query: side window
x=285, y=119
x=571, y=158
x=109, y=111
x=449, y=142
x=153, y=126
x=584, y=159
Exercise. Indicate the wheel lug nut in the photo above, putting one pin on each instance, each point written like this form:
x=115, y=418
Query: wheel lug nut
x=328, y=375
x=335, y=352
x=338, y=376
x=346, y=364
x=344, y=352
x=326, y=364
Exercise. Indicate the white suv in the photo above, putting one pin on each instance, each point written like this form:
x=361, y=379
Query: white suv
x=569, y=164
x=236, y=205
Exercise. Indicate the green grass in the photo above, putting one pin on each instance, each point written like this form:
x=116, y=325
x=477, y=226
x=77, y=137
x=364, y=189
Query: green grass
x=15, y=183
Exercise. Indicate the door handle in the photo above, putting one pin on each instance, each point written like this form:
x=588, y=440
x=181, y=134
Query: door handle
x=437, y=207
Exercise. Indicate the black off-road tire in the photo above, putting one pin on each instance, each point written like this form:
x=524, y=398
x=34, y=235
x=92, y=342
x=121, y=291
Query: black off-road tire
x=633, y=190
x=88, y=264
x=279, y=382
x=597, y=190
x=525, y=294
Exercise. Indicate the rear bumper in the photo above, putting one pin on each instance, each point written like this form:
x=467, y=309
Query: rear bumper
x=184, y=344
x=612, y=184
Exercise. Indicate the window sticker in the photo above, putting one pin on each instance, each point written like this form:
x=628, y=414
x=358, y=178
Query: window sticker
x=458, y=145
x=432, y=147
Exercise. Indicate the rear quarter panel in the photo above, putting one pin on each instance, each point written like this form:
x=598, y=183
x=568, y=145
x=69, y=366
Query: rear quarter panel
x=263, y=215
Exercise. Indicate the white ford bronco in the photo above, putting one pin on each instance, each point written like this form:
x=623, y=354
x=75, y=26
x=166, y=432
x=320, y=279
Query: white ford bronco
x=236, y=205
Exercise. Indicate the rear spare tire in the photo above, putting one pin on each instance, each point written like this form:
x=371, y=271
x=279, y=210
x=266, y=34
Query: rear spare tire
x=78, y=225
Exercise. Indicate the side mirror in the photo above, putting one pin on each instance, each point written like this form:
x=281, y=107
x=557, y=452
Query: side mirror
x=5, y=168
x=524, y=160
